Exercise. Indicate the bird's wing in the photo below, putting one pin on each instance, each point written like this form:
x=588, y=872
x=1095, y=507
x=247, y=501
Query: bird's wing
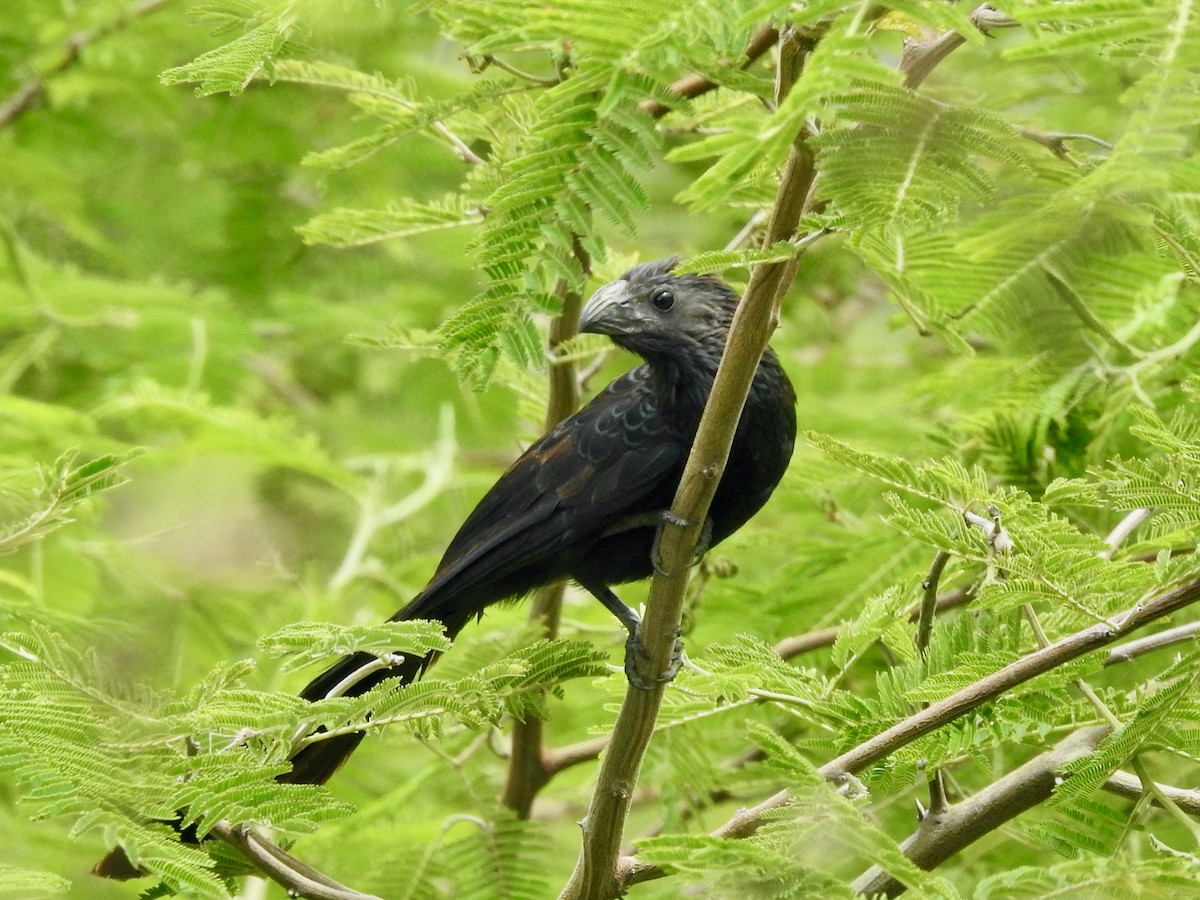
x=614, y=458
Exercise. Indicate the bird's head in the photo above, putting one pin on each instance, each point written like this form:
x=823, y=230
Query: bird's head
x=654, y=313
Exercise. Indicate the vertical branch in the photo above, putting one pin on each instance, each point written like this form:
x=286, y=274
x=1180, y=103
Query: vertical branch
x=599, y=873
x=528, y=769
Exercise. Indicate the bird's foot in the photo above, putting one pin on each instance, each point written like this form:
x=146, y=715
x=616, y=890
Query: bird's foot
x=637, y=662
x=703, y=542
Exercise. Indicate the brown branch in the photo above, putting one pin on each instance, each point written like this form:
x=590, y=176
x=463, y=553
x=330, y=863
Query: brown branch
x=929, y=601
x=296, y=877
x=1128, y=785
x=23, y=98
x=596, y=873
x=925, y=617
x=945, y=832
x=574, y=754
x=529, y=767
x=919, y=58
x=941, y=836
x=1039, y=662
x=692, y=86
x=826, y=637
x=1168, y=638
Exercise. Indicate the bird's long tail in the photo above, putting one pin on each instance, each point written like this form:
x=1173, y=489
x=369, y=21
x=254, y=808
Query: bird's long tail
x=316, y=762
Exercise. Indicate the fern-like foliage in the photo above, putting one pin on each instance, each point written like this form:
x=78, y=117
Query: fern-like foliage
x=1166, y=483
x=797, y=854
x=126, y=764
x=16, y=881
x=64, y=486
x=162, y=410
x=1100, y=876
x=1165, y=718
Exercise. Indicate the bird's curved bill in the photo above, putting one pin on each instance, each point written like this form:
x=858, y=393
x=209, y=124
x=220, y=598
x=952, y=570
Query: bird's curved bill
x=609, y=311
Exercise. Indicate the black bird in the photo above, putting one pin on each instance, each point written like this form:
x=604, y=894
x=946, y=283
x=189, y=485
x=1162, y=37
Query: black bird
x=585, y=501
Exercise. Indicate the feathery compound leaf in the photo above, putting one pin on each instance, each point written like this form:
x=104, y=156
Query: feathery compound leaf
x=500, y=857
x=900, y=160
x=1104, y=876
x=21, y=883
x=302, y=643
x=359, y=227
x=64, y=487
x=231, y=67
x=61, y=736
x=719, y=260
x=1155, y=714
x=790, y=856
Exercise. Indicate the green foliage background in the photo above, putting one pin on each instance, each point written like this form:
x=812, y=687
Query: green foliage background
x=263, y=343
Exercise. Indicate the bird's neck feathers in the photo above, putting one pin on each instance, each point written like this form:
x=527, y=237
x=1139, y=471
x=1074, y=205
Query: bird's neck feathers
x=682, y=376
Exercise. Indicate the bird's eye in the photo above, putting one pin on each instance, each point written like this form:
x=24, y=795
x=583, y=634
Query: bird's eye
x=663, y=300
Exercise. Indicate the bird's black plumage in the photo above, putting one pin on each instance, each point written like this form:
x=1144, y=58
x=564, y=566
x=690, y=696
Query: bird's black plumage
x=583, y=502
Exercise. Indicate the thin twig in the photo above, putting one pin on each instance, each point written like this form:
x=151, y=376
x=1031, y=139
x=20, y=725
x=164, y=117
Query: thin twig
x=1123, y=530
x=373, y=516
x=478, y=65
x=1168, y=638
x=574, y=754
x=691, y=86
x=986, y=689
x=929, y=601
x=1128, y=785
x=22, y=99
x=297, y=878
x=528, y=766
x=1155, y=792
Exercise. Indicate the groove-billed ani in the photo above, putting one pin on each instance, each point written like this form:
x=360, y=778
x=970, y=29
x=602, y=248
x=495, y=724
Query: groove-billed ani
x=585, y=501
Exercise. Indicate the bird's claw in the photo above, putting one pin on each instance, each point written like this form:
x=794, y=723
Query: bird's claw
x=637, y=660
x=702, y=542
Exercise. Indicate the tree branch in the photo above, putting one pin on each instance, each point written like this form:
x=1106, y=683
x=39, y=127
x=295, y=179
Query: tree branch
x=692, y=86
x=1171, y=636
x=1128, y=785
x=22, y=99
x=929, y=601
x=944, y=711
x=943, y=833
x=528, y=765
x=297, y=878
x=596, y=873
x=919, y=58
